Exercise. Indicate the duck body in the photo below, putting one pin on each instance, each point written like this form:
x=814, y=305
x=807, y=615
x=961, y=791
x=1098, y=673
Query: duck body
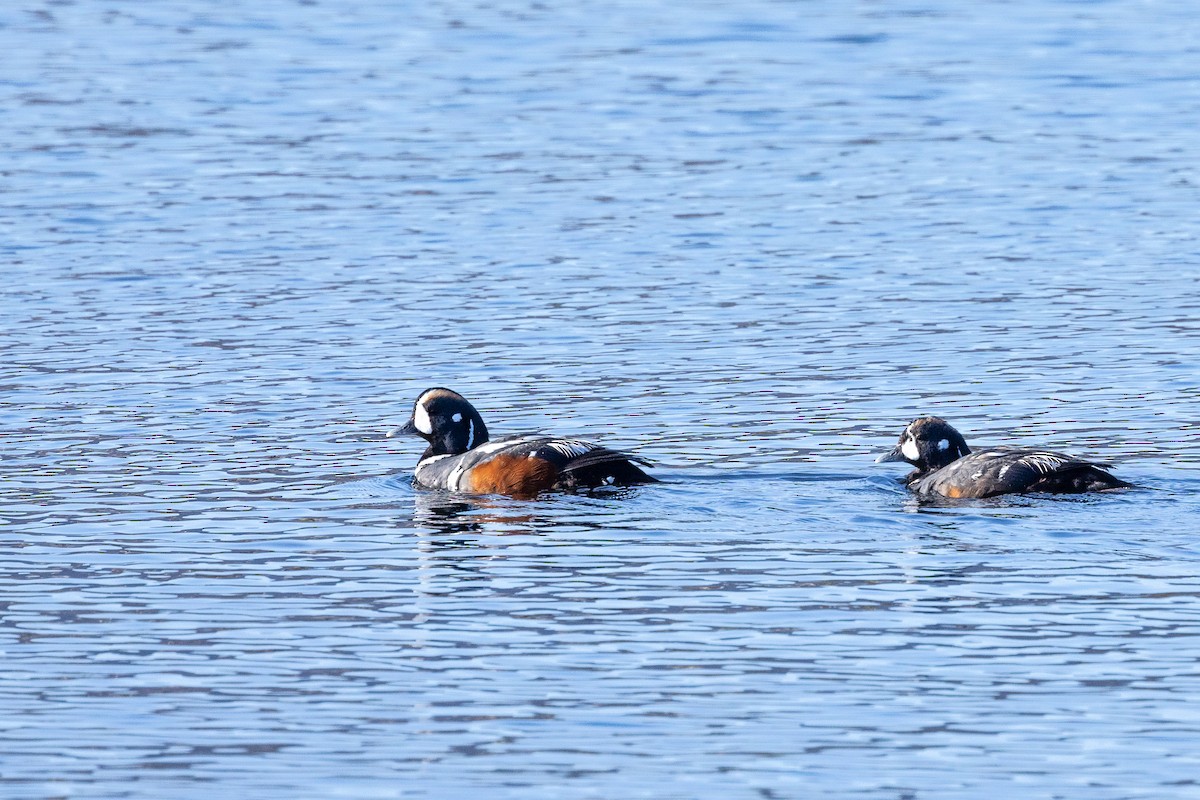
x=987, y=473
x=461, y=457
x=946, y=467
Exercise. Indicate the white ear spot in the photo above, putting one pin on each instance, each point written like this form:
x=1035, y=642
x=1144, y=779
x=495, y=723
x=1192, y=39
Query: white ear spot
x=910, y=451
x=421, y=419
x=457, y=418
x=944, y=444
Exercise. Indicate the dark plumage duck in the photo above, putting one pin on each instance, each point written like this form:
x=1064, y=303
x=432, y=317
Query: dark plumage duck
x=462, y=458
x=946, y=466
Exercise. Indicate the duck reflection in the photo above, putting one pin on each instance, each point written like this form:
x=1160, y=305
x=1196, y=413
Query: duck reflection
x=453, y=514
x=446, y=514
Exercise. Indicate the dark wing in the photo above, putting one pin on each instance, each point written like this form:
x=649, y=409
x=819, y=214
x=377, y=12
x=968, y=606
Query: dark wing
x=1071, y=475
x=986, y=473
x=584, y=464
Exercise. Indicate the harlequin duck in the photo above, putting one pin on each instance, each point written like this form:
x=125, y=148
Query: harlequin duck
x=946, y=466
x=462, y=458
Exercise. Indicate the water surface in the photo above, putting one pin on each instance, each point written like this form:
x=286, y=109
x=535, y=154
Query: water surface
x=749, y=241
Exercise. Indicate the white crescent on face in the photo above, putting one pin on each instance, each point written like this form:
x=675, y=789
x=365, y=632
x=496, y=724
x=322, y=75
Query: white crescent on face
x=910, y=451
x=421, y=419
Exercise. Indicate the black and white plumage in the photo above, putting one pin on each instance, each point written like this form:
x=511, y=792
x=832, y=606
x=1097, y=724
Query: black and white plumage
x=461, y=457
x=946, y=466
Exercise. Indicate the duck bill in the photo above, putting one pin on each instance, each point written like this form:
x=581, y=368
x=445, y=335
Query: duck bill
x=895, y=455
x=406, y=429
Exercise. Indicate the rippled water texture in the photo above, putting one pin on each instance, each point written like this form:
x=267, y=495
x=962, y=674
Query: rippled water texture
x=748, y=240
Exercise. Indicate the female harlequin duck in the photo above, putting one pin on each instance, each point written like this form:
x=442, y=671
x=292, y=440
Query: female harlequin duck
x=946, y=466
x=461, y=458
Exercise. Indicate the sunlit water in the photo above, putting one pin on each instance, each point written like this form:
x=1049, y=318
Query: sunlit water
x=747, y=240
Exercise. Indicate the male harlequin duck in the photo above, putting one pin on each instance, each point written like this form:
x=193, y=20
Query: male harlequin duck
x=461, y=458
x=946, y=466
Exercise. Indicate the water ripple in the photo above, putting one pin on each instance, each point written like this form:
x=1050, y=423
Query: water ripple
x=749, y=244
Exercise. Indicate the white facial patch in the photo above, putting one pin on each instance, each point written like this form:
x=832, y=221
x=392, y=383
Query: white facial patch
x=421, y=419
x=944, y=444
x=910, y=451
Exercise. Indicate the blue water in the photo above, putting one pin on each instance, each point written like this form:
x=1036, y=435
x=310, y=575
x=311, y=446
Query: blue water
x=749, y=241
